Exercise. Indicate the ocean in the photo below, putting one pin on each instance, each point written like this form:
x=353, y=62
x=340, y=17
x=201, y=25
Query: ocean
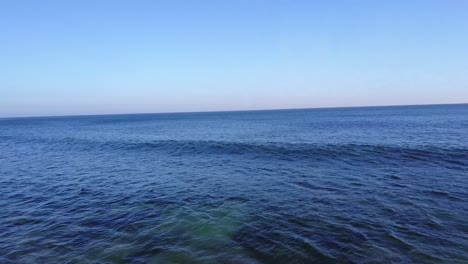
x=336, y=185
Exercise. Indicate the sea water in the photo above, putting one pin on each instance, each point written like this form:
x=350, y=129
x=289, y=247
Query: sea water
x=342, y=185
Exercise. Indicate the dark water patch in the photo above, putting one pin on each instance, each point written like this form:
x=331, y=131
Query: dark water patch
x=443, y=194
x=398, y=185
x=438, y=193
x=237, y=199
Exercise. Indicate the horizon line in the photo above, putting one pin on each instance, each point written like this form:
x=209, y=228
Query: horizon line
x=228, y=111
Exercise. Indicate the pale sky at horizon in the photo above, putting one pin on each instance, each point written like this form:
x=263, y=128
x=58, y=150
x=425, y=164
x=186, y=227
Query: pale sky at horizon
x=103, y=57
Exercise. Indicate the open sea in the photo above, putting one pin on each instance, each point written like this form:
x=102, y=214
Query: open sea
x=337, y=185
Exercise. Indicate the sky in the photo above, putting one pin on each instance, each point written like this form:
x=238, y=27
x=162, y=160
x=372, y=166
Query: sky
x=103, y=57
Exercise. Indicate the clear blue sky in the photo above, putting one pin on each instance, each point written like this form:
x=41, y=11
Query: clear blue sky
x=97, y=57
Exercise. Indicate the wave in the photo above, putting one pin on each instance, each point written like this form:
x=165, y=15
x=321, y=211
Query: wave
x=457, y=156
x=285, y=151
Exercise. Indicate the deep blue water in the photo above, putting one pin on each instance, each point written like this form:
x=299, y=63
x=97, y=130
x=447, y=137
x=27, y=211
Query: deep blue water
x=345, y=185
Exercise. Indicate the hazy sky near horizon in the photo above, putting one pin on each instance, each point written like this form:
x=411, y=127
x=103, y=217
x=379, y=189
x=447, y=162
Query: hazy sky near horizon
x=98, y=57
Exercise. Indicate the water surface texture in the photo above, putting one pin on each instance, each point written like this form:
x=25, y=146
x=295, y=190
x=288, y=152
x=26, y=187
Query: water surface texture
x=345, y=185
